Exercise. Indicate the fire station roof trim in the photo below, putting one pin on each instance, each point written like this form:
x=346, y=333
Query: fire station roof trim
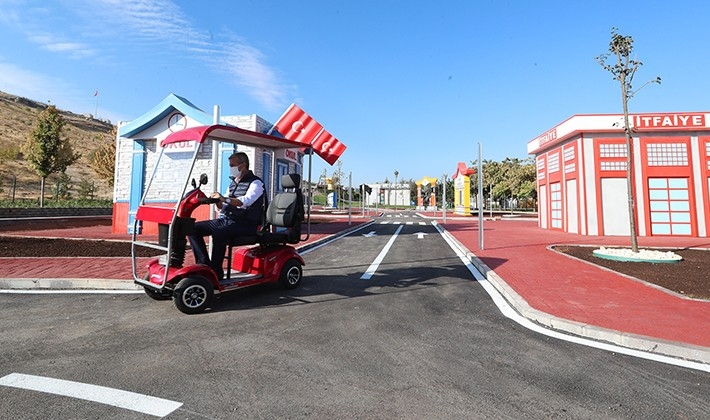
x=614, y=123
x=230, y=134
x=168, y=105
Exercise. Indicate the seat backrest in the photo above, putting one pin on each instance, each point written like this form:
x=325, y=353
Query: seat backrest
x=286, y=209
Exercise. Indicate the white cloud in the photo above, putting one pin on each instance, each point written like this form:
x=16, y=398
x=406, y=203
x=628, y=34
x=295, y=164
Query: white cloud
x=41, y=88
x=164, y=22
x=31, y=85
x=158, y=27
x=244, y=66
x=75, y=50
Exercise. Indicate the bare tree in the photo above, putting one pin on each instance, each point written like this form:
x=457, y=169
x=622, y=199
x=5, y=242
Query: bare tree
x=103, y=159
x=624, y=71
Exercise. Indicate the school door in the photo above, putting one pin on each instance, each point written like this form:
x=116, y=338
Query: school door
x=137, y=182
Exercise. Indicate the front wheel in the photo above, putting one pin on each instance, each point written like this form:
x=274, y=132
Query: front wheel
x=193, y=295
x=291, y=274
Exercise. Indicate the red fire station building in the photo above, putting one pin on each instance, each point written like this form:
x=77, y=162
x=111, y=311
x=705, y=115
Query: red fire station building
x=581, y=174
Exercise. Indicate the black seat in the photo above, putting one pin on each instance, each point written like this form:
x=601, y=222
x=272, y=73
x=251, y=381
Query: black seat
x=284, y=214
x=282, y=220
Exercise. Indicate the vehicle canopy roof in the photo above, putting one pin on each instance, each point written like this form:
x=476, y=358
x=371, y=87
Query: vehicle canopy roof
x=230, y=134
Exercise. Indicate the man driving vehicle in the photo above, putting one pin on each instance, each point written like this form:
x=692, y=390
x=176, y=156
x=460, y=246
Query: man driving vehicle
x=241, y=212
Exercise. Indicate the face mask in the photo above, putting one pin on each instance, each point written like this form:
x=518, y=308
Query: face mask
x=234, y=172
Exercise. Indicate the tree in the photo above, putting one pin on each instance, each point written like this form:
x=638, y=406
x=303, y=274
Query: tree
x=102, y=160
x=45, y=150
x=493, y=179
x=520, y=176
x=510, y=178
x=624, y=71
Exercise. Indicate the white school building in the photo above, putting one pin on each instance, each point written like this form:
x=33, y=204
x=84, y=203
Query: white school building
x=138, y=146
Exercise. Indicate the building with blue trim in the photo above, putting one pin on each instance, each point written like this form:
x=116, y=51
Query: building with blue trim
x=138, y=146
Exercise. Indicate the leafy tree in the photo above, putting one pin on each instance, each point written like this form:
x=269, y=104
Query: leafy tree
x=45, y=150
x=519, y=176
x=63, y=187
x=102, y=160
x=510, y=178
x=86, y=189
x=624, y=71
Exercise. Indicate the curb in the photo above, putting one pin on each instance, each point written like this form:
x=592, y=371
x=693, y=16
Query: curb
x=628, y=340
x=64, y=284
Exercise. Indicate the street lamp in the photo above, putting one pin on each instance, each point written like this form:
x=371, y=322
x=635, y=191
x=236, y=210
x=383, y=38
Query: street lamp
x=395, y=186
x=443, y=196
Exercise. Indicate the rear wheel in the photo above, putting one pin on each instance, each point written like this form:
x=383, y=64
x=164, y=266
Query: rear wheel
x=291, y=274
x=193, y=295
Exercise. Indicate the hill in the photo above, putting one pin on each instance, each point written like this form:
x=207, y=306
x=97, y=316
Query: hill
x=17, y=118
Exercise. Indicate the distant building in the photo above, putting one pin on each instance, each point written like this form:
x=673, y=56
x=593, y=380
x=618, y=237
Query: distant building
x=388, y=194
x=581, y=174
x=138, y=145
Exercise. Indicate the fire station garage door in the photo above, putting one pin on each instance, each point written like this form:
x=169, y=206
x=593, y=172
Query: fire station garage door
x=669, y=202
x=615, y=210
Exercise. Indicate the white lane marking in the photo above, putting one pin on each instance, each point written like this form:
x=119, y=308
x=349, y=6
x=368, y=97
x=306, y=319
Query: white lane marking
x=384, y=222
x=335, y=237
x=409, y=223
x=421, y=235
x=69, y=291
x=510, y=313
x=422, y=223
x=373, y=267
x=369, y=234
x=397, y=223
x=110, y=396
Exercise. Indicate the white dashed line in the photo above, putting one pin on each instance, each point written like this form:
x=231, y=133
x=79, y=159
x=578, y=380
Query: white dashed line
x=373, y=267
x=110, y=396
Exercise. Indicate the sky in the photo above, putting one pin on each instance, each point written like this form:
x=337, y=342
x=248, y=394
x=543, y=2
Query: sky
x=407, y=85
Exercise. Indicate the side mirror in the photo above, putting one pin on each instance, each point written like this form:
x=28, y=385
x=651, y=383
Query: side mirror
x=203, y=179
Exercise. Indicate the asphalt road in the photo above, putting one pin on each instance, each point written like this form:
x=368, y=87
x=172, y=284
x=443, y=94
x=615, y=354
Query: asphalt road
x=419, y=339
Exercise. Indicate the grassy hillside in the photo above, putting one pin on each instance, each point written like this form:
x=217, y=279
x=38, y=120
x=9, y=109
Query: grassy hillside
x=17, y=118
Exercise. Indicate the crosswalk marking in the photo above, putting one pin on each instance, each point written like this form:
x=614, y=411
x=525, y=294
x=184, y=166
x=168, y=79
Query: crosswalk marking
x=387, y=222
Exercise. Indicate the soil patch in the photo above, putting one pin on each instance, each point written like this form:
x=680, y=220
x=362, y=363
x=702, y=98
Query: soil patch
x=689, y=277
x=46, y=247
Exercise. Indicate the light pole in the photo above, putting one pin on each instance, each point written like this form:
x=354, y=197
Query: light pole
x=443, y=204
x=395, y=191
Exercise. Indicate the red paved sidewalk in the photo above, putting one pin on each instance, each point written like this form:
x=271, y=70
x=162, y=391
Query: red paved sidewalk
x=574, y=290
x=110, y=268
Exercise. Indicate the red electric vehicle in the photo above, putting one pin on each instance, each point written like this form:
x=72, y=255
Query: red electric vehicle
x=267, y=256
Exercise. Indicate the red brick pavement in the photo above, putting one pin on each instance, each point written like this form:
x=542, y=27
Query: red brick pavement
x=110, y=268
x=565, y=287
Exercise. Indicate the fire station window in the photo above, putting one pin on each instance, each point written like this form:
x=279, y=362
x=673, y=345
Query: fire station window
x=669, y=206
